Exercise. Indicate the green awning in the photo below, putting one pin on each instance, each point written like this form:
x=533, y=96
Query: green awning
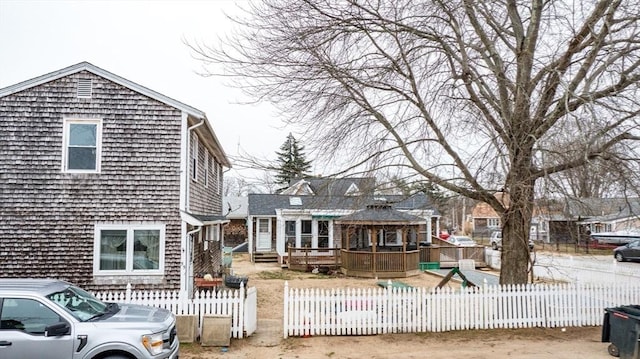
x=325, y=216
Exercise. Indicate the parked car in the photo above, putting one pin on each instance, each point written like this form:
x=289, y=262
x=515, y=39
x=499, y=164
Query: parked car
x=628, y=252
x=496, y=241
x=462, y=241
x=55, y=319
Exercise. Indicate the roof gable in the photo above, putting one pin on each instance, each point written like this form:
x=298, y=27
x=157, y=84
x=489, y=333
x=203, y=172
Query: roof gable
x=300, y=188
x=192, y=112
x=353, y=190
x=85, y=66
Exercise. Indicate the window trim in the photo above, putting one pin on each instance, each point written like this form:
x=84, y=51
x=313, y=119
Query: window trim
x=66, y=127
x=318, y=236
x=219, y=178
x=206, y=168
x=493, y=222
x=194, y=158
x=130, y=228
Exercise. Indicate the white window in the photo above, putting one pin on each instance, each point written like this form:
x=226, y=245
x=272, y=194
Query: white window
x=82, y=145
x=290, y=233
x=121, y=249
x=323, y=234
x=493, y=222
x=306, y=234
x=206, y=168
x=194, y=158
x=391, y=237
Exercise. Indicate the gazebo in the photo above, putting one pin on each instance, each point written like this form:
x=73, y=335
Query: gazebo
x=380, y=242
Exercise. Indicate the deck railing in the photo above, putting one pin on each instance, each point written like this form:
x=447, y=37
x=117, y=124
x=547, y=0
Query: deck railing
x=306, y=258
x=379, y=262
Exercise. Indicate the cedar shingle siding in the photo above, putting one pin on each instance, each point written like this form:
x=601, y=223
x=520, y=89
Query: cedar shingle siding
x=204, y=199
x=47, y=217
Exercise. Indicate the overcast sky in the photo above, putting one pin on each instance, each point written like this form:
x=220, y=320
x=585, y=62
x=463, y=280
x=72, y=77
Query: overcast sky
x=141, y=41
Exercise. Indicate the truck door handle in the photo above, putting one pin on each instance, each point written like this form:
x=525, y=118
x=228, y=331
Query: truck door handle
x=4, y=343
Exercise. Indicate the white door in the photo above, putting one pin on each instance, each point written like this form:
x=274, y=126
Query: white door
x=264, y=235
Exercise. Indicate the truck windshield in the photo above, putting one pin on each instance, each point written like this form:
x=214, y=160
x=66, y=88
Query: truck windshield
x=79, y=303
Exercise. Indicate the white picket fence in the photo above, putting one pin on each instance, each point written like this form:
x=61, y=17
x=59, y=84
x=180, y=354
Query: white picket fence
x=403, y=310
x=240, y=305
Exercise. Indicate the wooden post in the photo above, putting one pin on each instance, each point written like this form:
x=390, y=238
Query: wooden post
x=404, y=249
x=374, y=242
x=306, y=256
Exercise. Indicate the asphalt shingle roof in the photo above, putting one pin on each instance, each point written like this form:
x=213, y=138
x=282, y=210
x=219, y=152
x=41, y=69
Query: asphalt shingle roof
x=266, y=204
x=380, y=214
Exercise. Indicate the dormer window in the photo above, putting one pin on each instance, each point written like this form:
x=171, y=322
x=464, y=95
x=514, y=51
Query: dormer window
x=353, y=190
x=300, y=188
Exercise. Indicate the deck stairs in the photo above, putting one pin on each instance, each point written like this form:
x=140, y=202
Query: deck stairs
x=265, y=257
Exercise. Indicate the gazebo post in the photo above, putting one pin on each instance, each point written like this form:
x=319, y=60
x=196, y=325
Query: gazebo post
x=404, y=248
x=374, y=241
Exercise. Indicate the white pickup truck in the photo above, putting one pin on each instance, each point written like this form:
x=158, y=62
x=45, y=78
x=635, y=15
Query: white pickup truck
x=53, y=319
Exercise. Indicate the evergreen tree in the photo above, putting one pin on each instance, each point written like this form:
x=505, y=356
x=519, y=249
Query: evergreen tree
x=292, y=161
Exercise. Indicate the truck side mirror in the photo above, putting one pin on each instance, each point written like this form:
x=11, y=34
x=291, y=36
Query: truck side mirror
x=57, y=329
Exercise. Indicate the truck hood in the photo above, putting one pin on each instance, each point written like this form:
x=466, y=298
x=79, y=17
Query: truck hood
x=132, y=313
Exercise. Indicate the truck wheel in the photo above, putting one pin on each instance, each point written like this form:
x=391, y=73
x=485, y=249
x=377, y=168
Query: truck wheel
x=116, y=357
x=613, y=350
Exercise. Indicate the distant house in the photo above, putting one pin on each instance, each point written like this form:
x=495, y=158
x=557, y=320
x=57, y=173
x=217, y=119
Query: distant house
x=104, y=182
x=312, y=212
x=485, y=219
x=571, y=220
x=612, y=214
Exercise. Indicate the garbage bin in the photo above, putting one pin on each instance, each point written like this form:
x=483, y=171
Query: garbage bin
x=621, y=328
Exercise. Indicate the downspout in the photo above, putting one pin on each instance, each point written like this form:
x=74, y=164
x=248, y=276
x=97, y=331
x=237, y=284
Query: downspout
x=194, y=231
x=185, y=253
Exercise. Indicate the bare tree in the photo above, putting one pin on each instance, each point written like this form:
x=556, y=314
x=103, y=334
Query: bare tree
x=472, y=96
x=235, y=186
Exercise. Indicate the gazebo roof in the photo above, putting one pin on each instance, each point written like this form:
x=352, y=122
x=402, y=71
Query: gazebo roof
x=380, y=214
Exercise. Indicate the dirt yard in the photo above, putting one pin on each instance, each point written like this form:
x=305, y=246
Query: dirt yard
x=268, y=340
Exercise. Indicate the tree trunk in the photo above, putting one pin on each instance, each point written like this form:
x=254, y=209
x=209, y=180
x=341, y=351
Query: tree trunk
x=515, y=256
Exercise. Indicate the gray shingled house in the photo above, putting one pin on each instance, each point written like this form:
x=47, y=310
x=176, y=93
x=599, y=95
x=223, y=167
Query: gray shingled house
x=104, y=182
x=311, y=213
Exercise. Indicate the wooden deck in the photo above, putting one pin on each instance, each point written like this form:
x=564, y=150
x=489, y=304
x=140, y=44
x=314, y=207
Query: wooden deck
x=381, y=264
